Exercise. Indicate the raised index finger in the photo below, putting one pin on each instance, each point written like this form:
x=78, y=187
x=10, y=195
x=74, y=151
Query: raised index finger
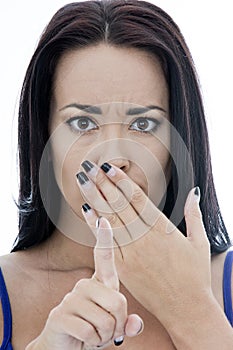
x=105, y=269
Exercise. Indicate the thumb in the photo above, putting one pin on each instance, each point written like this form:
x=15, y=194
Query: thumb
x=134, y=325
x=193, y=217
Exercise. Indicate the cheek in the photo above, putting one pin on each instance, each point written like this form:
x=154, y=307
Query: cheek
x=159, y=174
x=67, y=163
x=67, y=152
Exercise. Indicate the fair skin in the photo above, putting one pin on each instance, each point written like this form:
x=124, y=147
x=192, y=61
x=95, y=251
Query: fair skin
x=172, y=298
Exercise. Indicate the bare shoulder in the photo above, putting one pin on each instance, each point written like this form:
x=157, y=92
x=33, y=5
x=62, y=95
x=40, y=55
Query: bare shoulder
x=5, y=259
x=12, y=267
x=7, y=267
x=27, y=288
x=34, y=290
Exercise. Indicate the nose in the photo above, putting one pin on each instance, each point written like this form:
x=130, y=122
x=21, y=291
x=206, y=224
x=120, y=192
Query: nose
x=114, y=156
x=120, y=163
x=113, y=148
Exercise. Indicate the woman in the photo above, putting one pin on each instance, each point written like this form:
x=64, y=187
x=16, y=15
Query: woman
x=112, y=129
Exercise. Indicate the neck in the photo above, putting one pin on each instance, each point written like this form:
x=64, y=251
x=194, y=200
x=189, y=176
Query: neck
x=66, y=255
x=71, y=245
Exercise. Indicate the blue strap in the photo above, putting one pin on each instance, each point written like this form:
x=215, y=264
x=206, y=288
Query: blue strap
x=227, y=298
x=7, y=317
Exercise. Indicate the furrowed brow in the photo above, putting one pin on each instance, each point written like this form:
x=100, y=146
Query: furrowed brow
x=139, y=110
x=86, y=108
x=97, y=110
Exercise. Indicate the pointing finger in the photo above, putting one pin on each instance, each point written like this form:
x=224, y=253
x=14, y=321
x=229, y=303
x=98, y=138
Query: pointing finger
x=105, y=269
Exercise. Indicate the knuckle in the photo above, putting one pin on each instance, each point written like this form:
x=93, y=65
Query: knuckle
x=136, y=195
x=120, y=203
x=112, y=282
x=106, y=254
x=82, y=284
x=88, y=332
x=112, y=218
x=101, y=179
x=160, y=223
x=55, y=313
x=64, y=307
x=108, y=324
x=65, y=303
x=120, y=302
x=56, y=318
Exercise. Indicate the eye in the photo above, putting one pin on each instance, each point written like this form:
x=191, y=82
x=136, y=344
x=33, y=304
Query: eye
x=145, y=125
x=81, y=124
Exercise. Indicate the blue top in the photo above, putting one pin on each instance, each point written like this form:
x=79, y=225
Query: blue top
x=227, y=273
x=6, y=309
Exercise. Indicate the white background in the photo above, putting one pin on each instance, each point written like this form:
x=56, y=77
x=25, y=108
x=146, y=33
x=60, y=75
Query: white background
x=207, y=27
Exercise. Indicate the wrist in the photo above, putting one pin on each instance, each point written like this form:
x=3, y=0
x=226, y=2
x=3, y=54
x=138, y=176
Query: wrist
x=205, y=326
x=39, y=344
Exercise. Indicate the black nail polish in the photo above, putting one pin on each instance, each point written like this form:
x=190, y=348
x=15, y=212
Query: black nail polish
x=118, y=341
x=87, y=166
x=197, y=191
x=141, y=328
x=82, y=178
x=86, y=207
x=105, y=167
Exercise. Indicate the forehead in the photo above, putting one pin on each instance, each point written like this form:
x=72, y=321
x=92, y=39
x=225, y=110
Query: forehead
x=104, y=73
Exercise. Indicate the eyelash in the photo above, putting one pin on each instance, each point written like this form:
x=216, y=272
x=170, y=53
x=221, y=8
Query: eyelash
x=72, y=120
x=156, y=122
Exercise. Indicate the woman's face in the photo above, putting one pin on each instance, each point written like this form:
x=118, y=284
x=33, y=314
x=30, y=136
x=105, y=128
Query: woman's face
x=118, y=83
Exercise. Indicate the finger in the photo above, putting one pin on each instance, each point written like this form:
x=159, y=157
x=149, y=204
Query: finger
x=102, y=320
x=99, y=204
x=74, y=326
x=134, y=325
x=140, y=202
x=145, y=208
x=82, y=330
x=120, y=205
x=193, y=217
x=105, y=269
x=118, y=195
x=91, y=217
x=92, y=194
x=134, y=221
x=110, y=178
x=112, y=301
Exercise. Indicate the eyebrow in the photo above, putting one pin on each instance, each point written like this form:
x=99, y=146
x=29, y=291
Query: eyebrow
x=97, y=110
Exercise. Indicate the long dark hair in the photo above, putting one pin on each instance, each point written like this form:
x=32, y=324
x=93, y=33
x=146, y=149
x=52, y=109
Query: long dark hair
x=129, y=24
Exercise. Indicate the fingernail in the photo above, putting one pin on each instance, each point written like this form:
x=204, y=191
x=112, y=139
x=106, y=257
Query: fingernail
x=118, y=341
x=197, y=194
x=82, y=178
x=106, y=167
x=86, y=207
x=87, y=165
